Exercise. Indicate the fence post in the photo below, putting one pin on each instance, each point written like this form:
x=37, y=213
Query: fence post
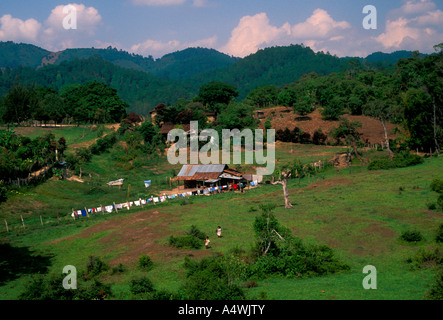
x=23, y=222
x=41, y=220
x=87, y=212
x=58, y=217
x=6, y=223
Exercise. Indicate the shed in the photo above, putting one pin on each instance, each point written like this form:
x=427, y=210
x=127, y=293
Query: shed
x=211, y=174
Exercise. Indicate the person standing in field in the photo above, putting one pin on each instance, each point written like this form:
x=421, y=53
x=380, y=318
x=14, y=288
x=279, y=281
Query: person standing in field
x=207, y=241
x=219, y=231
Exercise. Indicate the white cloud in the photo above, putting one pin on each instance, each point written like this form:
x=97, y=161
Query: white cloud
x=255, y=32
x=318, y=26
x=51, y=34
x=14, y=29
x=417, y=25
x=158, y=49
x=414, y=7
x=252, y=33
x=55, y=36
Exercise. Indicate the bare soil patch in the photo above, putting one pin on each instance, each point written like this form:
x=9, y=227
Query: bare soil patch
x=283, y=117
x=137, y=234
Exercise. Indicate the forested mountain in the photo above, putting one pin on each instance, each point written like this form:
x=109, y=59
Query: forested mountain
x=13, y=55
x=140, y=89
x=177, y=65
x=144, y=82
x=276, y=65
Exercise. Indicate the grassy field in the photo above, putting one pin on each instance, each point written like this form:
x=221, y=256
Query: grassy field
x=360, y=214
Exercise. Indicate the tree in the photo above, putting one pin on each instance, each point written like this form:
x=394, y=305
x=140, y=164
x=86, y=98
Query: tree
x=267, y=229
x=217, y=92
x=383, y=108
x=19, y=103
x=419, y=118
x=95, y=102
x=284, y=182
x=237, y=116
x=262, y=97
x=347, y=130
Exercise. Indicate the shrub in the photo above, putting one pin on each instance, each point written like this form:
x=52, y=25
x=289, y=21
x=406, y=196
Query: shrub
x=436, y=291
x=208, y=279
x=195, y=232
x=83, y=155
x=400, y=160
x=319, y=138
x=439, y=236
x=145, y=263
x=411, y=236
x=95, y=266
x=94, y=290
x=426, y=258
x=141, y=285
x=185, y=242
x=437, y=185
x=440, y=202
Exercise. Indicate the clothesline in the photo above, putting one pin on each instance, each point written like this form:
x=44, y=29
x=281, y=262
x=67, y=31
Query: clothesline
x=76, y=214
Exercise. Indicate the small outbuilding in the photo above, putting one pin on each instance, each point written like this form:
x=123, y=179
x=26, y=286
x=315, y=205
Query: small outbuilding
x=196, y=176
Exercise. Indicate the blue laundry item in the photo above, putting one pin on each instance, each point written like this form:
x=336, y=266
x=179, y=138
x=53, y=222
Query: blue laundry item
x=84, y=213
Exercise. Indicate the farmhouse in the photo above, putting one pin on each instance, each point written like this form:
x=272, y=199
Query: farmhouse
x=196, y=176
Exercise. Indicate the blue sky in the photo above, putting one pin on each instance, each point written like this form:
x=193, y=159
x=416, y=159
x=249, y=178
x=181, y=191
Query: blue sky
x=235, y=27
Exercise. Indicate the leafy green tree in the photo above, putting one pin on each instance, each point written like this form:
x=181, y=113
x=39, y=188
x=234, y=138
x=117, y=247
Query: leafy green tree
x=217, y=92
x=237, y=116
x=418, y=118
x=18, y=104
x=263, y=97
x=95, y=102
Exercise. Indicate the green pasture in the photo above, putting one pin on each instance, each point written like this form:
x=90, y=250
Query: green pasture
x=359, y=213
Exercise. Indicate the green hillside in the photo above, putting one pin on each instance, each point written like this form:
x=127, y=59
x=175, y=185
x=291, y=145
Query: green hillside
x=13, y=55
x=359, y=214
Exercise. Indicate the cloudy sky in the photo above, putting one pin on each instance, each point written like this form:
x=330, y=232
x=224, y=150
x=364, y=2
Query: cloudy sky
x=235, y=27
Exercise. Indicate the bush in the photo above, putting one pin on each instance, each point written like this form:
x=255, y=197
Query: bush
x=439, y=236
x=141, y=285
x=185, y=242
x=426, y=258
x=400, y=160
x=411, y=236
x=95, y=266
x=436, y=291
x=437, y=185
x=83, y=155
x=208, y=279
x=440, y=202
x=145, y=262
x=319, y=138
x=195, y=232
x=380, y=164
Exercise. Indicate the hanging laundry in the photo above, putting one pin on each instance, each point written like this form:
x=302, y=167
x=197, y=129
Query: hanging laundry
x=156, y=199
x=148, y=183
x=143, y=201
